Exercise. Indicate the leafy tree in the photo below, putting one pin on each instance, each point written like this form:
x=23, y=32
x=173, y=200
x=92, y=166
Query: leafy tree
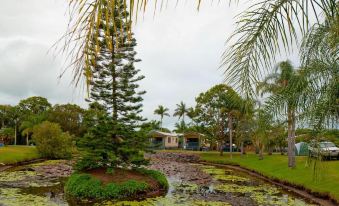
x=161, y=111
x=113, y=140
x=34, y=105
x=69, y=117
x=7, y=134
x=4, y=114
x=51, y=142
x=216, y=110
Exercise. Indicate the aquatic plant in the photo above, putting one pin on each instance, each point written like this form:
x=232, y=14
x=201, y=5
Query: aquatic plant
x=14, y=197
x=12, y=176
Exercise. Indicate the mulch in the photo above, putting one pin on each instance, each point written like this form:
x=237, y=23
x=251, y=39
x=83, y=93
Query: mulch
x=122, y=175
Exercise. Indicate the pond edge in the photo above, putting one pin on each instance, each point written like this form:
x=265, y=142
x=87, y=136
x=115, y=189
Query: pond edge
x=316, y=197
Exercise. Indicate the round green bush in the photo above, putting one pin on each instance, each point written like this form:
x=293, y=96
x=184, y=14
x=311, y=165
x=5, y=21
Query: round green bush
x=82, y=185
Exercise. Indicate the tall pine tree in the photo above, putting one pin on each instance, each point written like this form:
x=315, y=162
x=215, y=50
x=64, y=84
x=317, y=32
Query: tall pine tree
x=113, y=138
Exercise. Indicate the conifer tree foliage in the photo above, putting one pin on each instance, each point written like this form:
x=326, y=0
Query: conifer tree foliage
x=116, y=102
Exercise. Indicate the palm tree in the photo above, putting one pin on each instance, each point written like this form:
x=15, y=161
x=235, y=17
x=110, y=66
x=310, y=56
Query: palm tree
x=180, y=111
x=262, y=33
x=161, y=111
x=285, y=96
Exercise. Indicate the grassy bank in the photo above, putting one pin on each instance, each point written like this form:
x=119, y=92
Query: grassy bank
x=275, y=166
x=14, y=154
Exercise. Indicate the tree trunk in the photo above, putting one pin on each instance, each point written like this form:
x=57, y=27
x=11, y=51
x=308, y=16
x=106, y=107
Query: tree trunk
x=261, y=155
x=221, y=149
x=242, y=148
x=230, y=127
x=114, y=85
x=291, y=138
x=114, y=93
x=27, y=139
x=15, y=135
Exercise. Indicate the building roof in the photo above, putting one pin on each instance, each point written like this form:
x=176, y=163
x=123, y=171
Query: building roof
x=162, y=134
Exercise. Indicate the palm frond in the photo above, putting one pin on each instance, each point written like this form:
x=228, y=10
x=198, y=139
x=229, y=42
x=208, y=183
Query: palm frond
x=263, y=31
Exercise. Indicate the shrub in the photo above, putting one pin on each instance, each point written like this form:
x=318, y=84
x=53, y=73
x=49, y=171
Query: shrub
x=51, y=142
x=86, y=186
x=158, y=176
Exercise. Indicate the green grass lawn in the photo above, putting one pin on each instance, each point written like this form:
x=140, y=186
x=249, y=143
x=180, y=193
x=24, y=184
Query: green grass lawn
x=14, y=154
x=275, y=166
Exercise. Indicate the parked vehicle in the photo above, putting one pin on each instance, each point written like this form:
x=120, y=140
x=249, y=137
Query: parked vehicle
x=324, y=149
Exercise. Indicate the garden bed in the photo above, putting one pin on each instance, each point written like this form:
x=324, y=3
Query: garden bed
x=120, y=184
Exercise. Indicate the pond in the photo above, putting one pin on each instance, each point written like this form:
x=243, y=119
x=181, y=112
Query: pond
x=31, y=185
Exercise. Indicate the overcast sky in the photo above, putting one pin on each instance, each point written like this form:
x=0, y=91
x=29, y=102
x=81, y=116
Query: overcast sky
x=180, y=51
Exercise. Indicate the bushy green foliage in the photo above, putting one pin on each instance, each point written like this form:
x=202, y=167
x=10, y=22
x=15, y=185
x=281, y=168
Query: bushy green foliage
x=86, y=186
x=158, y=176
x=51, y=142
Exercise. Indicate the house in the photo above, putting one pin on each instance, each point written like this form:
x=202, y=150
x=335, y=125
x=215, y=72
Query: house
x=193, y=141
x=164, y=140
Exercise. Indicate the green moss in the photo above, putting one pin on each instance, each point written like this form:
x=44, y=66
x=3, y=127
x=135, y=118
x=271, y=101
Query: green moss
x=186, y=187
x=214, y=171
x=13, y=197
x=86, y=186
x=160, y=201
x=48, y=162
x=11, y=176
x=231, y=178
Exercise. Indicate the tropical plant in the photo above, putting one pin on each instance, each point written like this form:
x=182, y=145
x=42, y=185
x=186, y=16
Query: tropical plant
x=180, y=111
x=161, y=111
x=262, y=130
x=319, y=58
x=28, y=124
x=286, y=86
x=263, y=31
x=180, y=127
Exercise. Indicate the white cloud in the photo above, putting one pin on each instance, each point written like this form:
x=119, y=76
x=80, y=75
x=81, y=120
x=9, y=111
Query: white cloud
x=180, y=50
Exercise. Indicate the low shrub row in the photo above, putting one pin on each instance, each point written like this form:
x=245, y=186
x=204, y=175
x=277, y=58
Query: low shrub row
x=86, y=186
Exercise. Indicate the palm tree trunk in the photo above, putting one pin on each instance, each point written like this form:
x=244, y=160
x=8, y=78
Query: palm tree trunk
x=291, y=138
x=15, y=134
x=230, y=127
x=261, y=153
x=221, y=149
x=242, y=148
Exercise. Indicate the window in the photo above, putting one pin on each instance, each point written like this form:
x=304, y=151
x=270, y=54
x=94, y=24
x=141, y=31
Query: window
x=176, y=140
x=169, y=139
